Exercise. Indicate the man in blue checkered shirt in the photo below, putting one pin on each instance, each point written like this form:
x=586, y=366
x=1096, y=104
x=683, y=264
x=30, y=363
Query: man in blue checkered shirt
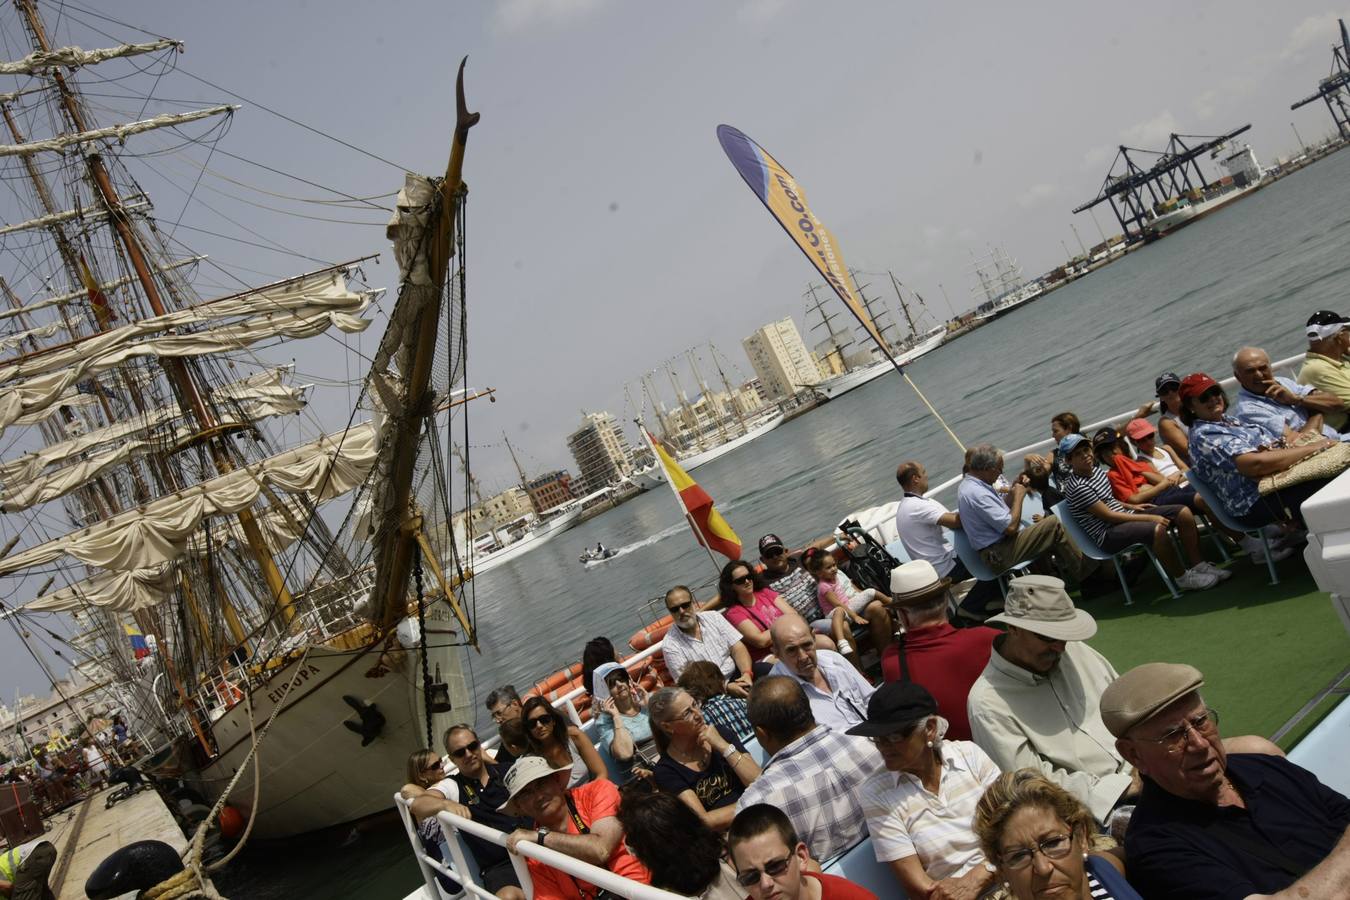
x=813, y=773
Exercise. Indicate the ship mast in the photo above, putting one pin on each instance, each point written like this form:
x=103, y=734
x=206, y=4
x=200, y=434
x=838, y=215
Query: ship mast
x=687, y=414
x=825, y=320
x=904, y=307
x=735, y=405
x=881, y=323
x=524, y=479
x=177, y=369
x=707, y=396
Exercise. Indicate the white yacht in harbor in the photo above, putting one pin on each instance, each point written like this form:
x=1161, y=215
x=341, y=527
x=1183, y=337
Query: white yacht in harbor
x=502, y=545
x=651, y=476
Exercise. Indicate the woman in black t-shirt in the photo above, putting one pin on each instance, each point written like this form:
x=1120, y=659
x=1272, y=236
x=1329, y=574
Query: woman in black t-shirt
x=704, y=765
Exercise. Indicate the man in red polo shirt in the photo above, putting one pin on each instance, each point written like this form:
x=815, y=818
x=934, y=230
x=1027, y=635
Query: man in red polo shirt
x=930, y=652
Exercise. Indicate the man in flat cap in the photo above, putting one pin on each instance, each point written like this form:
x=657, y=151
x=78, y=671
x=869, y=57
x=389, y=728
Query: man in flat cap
x=1035, y=705
x=1212, y=821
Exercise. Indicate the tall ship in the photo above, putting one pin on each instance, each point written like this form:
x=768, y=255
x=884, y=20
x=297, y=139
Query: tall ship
x=707, y=428
x=853, y=370
x=286, y=554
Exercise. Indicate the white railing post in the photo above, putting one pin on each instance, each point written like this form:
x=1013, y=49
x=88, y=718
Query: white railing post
x=428, y=867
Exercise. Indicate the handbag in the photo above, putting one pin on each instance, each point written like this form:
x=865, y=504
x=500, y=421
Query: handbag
x=1326, y=463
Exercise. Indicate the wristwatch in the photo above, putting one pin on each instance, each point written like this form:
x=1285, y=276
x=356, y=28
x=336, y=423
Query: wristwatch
x=539, y=836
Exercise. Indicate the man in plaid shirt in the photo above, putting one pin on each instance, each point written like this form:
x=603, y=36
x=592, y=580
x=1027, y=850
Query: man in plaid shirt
x=813, y=773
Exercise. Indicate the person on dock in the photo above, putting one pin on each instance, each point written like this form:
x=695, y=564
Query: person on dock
x=846, y=604
x=1113, y=527
x=706, y=684
x=1170, y=427
x=581, y=822
x=1232, y=457
x=1274, y=403
x=771, y=863
x=838, y=692
x=813, y=773
x=621, y=725
x=557, y=740
x=1325, y=366
x=1212, y=821
x=705, y=765
x=920, y=522
x=995, y=526
x=24, y=872
x=1036, y=703
x=704, y=635
x=95, y=762
x=930, y=651
x=919, y=807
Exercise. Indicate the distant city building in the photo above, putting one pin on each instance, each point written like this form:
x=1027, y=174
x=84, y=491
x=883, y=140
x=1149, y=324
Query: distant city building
x=550, y=490
x=508, y=506
x=781, y=360
x=750, y=397
x=601, y=451
x=56, y=721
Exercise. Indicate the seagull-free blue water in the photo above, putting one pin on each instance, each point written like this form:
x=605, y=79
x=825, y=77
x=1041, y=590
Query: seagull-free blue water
x=1248, y=274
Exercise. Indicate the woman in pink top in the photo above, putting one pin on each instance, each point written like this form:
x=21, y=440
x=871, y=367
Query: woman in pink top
x=751, y=606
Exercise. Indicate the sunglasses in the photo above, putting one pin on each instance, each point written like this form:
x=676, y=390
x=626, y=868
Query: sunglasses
x=744, y=579
x=539, y=720
x=773, y=868
x=681, y=607
x=773, y=552
x=465, y=750
x=432, y=767
x=617, y=678
x=1211, y=395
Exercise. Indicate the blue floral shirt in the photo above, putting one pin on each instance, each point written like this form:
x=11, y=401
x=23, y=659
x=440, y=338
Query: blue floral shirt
x=1271, y=416
x=1213, y=448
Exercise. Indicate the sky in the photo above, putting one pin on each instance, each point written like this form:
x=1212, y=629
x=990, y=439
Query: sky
x=606, y=230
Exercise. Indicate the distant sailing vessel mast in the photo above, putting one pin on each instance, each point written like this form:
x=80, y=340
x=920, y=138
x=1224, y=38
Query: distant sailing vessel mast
x=321, y=575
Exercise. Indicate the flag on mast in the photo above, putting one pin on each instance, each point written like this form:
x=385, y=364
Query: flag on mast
x=103, y=310
x=139, y=648
x=709, y=527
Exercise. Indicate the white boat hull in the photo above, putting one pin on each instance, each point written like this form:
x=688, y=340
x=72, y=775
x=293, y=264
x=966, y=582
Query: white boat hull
x=842, y=384
x=531, y=540
x=651, y=476
x=315, y=773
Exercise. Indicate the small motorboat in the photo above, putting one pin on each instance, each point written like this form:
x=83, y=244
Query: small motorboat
x=597, y=554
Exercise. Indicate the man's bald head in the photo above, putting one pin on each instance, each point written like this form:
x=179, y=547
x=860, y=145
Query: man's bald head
x=795, y=645
x=786, y=629
x=1251, y=367
x=779, y=711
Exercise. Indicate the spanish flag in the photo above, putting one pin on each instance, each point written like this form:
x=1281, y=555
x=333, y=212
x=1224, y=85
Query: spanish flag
x=709, y=527
x=139, y=648
x=103, y=310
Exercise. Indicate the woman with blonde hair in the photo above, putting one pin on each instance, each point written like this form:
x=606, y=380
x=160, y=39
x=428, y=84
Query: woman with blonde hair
x=1039, y=838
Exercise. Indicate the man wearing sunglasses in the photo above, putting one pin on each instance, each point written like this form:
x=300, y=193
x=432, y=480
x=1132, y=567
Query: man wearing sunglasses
x=1213, y=821
x=771, y=862
x=704, y=635
x=482, y=791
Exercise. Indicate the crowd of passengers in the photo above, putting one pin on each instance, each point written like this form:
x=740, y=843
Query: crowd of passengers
x=988, y=762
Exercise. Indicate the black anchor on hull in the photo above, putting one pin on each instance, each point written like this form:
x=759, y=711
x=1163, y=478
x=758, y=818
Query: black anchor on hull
x=371, y=723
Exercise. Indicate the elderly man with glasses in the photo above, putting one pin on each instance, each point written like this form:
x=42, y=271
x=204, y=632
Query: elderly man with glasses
x=1212, y=821
x=709, y=636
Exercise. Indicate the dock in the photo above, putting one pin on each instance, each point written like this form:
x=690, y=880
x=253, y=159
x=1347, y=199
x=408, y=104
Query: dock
x=86, y=834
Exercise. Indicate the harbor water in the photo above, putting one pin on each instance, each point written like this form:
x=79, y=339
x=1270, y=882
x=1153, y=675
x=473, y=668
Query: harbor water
x=1249, y=274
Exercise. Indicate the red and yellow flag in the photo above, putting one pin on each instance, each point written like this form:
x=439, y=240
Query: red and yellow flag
x=103, y=310
x=710, y=528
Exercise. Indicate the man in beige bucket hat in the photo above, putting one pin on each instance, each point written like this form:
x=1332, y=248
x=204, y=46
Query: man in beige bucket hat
x=1219, y=818
x=1036, y=702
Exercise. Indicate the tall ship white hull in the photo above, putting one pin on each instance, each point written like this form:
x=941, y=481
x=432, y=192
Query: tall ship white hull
x=651, y=476
x=315, y=772
x=842, y=384
x=535, y=537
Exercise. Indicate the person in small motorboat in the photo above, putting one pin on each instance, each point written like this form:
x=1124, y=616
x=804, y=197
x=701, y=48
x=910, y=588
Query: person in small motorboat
x=1216, y=819
x=622, y=726
x=846, y=604
x=1041, y=841
x=699, y=635
x=705, y=683
x=1275, y=403
x=837, y=690
x=581, y=822
x=706, y=766
x=1325, y=366
x=919, y=804
x=813, y=773
x=683, y=855
x=557, y=740
x=1232, y=457
x=1114, y=527
x=773, y=864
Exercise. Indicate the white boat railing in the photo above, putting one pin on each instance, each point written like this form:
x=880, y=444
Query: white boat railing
x=601, y=878
x=1285, y=365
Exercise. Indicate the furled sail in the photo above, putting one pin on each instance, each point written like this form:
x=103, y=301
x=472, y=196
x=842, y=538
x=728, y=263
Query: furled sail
x=117, y=132
x=82, y=295
x=119, y=591
x=84, y=215
x=73, y=57
x=160, y=530
x=11, y=341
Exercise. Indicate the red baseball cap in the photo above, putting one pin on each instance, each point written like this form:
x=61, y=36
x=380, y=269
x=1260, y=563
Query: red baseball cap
x=1139, y=429
x=1195, y=384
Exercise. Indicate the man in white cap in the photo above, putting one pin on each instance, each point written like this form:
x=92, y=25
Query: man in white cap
x=1036, y=704
x=930, y=651
x=581, y=822
x=1325, y=366
x=1213, y=820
